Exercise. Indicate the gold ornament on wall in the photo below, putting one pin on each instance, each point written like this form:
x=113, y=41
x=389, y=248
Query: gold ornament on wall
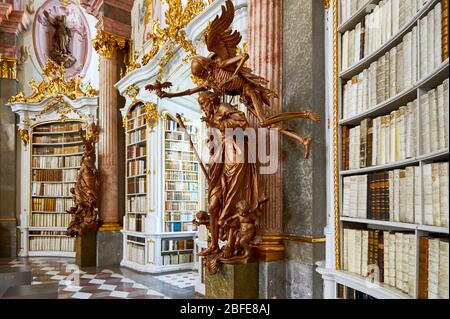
x=25, y=136
x=177, y=18
x=54, y=85
x=132, y=91
x=8, y=68
x=151, y=115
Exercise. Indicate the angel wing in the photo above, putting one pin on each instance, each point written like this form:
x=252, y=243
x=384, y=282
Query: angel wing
x=221, y=39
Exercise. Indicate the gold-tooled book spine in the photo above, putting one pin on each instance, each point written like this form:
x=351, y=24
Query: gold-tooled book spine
x=445, y=32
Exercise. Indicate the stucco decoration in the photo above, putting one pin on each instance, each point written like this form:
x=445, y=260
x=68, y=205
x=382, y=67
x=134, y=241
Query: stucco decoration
x=61, y=33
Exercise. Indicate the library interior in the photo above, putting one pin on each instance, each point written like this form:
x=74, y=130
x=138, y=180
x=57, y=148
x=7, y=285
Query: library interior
x=224, y=149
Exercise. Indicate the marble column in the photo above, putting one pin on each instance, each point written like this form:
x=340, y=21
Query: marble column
x=109, y=238
x=8, y=185
x=265, y=50
x=304, y=192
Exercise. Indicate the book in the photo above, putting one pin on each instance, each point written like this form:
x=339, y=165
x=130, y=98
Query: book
x=445, y=28
x=433, y=268
x=423, y=267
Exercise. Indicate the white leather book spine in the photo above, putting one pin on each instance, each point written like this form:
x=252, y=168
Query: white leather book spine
x=443, y=193
x=433, y=269
x=436, y=195
x=443, y=270
x=427, y=194
x=438, y=34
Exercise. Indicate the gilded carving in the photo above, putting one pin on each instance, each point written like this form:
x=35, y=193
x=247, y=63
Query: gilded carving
x=151, y=115
x=87, y=188
x=106, y=44
x=177, y=18
x=25, y=136
x=234, y=194
x=8, y=68
x=54, y=85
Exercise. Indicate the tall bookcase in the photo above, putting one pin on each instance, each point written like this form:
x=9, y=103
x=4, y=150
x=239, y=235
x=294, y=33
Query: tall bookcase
x=391, y=149
x=50, y=156
x=56, y=151
x=163, y=192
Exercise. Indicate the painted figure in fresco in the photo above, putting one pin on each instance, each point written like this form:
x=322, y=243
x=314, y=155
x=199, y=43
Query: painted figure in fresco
x=225, y=73
x=60, y=52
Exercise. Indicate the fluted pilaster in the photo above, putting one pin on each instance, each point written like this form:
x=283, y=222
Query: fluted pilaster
x=107, y=46
x=265, y=50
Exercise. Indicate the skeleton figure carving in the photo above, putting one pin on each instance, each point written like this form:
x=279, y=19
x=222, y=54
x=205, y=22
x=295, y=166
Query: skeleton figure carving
x=224, y=73
x=86, y=190
x=234, y=194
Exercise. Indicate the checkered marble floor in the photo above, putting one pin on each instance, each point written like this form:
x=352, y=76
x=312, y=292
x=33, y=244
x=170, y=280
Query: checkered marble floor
x=78, y=284
x=180, y=280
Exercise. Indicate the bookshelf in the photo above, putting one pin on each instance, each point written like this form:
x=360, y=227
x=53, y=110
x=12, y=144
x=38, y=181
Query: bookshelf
x=391, y=154
x=163, y=192
x=56, y=151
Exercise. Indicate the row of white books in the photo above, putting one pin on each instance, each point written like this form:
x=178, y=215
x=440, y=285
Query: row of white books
x=178, y=146
x=136, y=253
x=386, y=20
x=431, y=40
x=435, y=118
x=175, y=259
x=181, y=186
x=382, y=256
x=179, y=216
x=137, y=204
x=57, y=161
x=50, y=220
x=438, y=268
x=184, y=166
x=180, y=136
x=137, y=167
x=43, y=189
x=135, y=223
x=391, y=74
x=398, y=199
x=181, y=206
x=386, y=139
x=349, y=7
x=137, y=136
x=180, y=156
x=188, y=196
x=182, y=176
x=51, y=204
x=52, y=243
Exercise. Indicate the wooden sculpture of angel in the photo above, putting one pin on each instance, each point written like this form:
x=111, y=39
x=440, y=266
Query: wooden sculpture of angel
x=224, y=73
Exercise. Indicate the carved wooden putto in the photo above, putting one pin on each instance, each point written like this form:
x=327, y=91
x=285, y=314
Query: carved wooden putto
x=234, y=193
x=86, y=190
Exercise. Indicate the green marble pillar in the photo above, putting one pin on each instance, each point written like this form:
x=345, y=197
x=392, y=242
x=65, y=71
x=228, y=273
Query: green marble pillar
x=86, y=250
x=234, y=282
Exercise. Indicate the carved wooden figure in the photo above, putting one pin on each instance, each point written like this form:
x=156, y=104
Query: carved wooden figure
x=234, y=197
x=86, y=190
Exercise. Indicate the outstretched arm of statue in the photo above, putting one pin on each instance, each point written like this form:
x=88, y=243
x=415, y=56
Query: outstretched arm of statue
x=309, y=115
x=198, y=89
x=240, y=60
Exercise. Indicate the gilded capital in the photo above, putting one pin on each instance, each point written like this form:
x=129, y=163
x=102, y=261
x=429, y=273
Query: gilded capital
x=106, y=44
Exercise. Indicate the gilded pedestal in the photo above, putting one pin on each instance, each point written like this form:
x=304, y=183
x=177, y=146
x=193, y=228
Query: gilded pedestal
x=234, y=282
x=86, y=249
